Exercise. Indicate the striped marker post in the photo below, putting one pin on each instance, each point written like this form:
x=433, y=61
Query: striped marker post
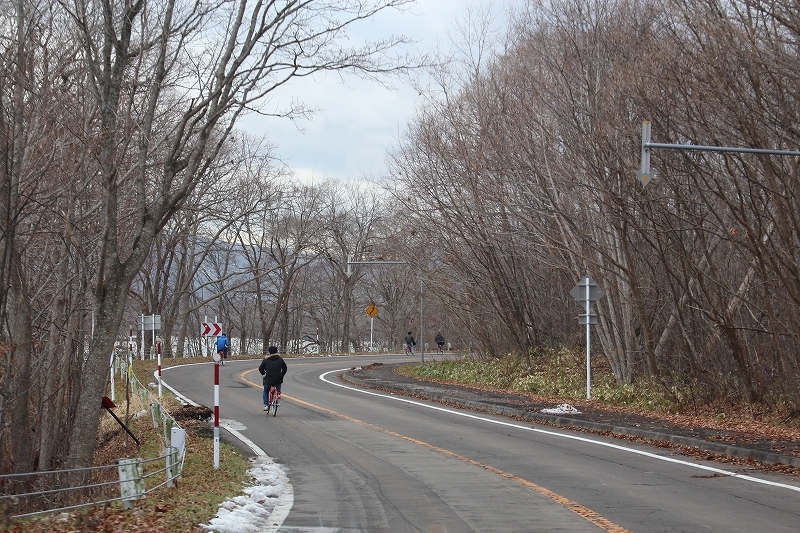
x=216, y=411
x=159, y=369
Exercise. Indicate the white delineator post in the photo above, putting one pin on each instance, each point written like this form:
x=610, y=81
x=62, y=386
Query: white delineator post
x=128, y=370
x=113, y=371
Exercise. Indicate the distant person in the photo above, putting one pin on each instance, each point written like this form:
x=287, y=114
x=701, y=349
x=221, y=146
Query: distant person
x=440, y=341
x=273, y=368
x=223, y=345
x=410, y=344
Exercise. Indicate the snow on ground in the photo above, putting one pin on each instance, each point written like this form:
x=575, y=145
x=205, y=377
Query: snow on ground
x=250, y=513
x=562, y=409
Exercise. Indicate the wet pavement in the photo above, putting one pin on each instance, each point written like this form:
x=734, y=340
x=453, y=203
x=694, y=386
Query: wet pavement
x=739, y=443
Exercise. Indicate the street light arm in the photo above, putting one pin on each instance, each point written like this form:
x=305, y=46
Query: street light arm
x=377, y=262
x=351, y=262
x=645, y=174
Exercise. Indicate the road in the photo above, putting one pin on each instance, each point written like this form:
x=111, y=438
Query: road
x=362, y=461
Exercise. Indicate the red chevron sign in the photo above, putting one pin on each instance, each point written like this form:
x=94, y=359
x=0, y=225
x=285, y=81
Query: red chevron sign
x=212, y=330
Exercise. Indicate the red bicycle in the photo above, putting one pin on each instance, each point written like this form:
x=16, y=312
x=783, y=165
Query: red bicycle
x=274, y=400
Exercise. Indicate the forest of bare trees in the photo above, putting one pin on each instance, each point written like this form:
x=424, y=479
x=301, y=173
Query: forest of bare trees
x=524, y=169
x=118, y=124
x=126, y=189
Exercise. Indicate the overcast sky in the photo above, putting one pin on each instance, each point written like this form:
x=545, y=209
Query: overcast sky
x=358, y=122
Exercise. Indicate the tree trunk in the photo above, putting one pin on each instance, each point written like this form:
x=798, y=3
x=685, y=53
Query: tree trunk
x=21, y=333
x=53, y=361
x=347, y=308
x=110, y=304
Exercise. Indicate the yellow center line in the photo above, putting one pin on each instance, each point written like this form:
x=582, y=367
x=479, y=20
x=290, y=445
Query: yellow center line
x=580, y=510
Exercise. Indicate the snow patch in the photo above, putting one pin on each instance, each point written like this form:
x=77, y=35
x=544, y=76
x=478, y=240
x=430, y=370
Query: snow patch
x=562, y=409
x=250, y=512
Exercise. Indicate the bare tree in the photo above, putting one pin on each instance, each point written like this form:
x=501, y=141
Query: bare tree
x=527, y=162
x=157, y=89
x=352, y=217
x=278, y=238
x=38, y=209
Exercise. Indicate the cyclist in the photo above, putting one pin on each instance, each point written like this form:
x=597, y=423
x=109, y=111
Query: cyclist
x=223, y=345
x=440, y=341
x=273, y=368
x=410, y=343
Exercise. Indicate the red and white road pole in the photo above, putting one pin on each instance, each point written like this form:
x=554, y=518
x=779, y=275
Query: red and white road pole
x=159, y=368
x=216, y=412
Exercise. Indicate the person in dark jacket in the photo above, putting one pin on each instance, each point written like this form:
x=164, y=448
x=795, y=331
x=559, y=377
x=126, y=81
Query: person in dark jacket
x=440, y=341
x=272, y=368
x=410, y=343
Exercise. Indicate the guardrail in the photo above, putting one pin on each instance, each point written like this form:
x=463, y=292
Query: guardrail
x=35, y=493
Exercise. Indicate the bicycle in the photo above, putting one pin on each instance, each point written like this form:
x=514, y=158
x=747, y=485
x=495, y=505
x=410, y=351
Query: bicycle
x=409, y=349
x=274, y=400
x=440, y=348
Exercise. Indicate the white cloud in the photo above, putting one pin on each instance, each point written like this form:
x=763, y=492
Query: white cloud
x=358, y=121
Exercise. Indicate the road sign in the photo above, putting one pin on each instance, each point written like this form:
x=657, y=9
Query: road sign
x=579, y=291
x=210, y=329
x=151, y=322
x=372, y=311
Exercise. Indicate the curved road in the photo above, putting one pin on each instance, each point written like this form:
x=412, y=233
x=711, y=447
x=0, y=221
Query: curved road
x=362, y=461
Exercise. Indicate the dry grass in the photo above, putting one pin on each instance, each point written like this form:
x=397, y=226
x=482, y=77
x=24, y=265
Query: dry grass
x=760, y=421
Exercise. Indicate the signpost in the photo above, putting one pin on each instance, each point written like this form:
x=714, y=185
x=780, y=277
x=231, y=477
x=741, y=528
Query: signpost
x=587, y=292
x=214, y=329
x=372, y=312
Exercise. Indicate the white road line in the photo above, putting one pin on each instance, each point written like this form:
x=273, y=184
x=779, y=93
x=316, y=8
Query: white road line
x=564, y=436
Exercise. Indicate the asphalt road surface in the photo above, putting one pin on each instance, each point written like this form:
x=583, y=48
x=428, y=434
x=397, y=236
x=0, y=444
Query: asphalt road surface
x=363, y=461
